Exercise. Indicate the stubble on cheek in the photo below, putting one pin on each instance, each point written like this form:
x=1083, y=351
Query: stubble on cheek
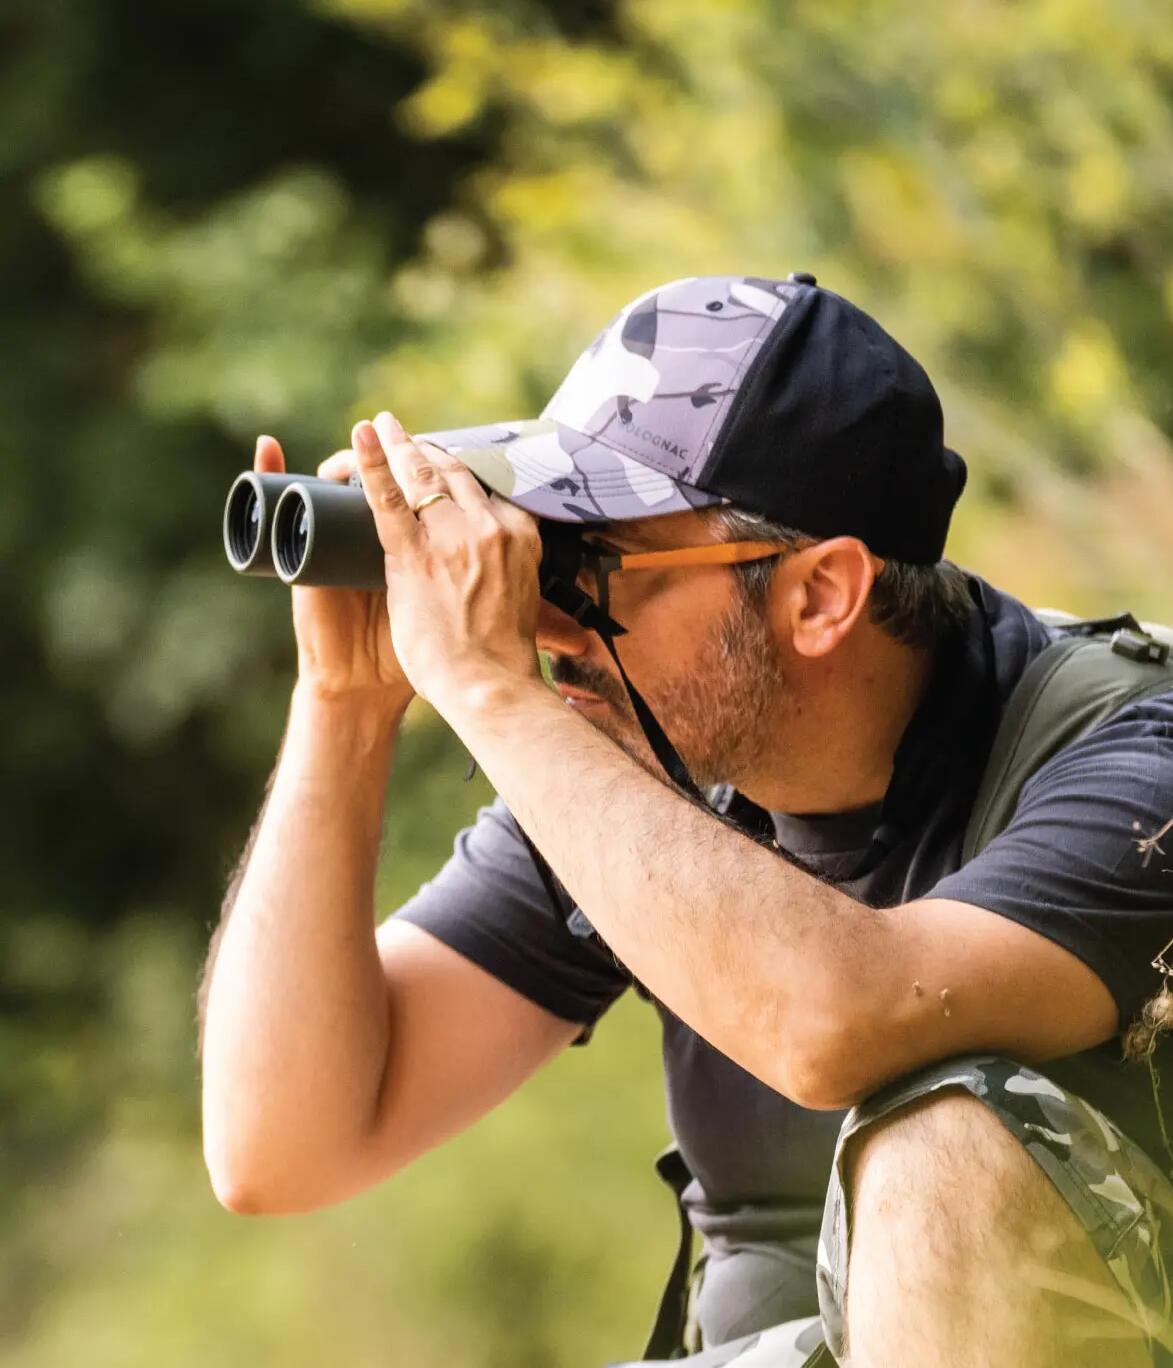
x=714, y=711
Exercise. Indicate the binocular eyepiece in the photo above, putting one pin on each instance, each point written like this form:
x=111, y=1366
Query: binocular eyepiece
x=302, y=529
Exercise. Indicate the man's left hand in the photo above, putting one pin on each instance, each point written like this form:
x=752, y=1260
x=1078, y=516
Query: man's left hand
x=462, y=582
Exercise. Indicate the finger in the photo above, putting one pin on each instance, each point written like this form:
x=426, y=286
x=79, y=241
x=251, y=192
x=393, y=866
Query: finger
x=465, y=488
x=268, y=458
x=398, y=526
x=340, y=466
x=413, y=471
x=522, y=525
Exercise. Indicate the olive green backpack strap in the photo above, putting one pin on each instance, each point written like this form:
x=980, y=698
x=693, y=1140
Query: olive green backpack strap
x=1066, y=691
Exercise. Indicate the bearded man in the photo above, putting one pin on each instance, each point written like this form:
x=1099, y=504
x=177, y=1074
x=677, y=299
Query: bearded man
x=864, y=1032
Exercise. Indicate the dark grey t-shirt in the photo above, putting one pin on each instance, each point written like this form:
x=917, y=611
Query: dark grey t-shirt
x=1068, y=866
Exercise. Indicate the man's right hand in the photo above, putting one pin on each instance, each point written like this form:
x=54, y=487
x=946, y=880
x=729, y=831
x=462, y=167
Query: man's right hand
x=343, y=635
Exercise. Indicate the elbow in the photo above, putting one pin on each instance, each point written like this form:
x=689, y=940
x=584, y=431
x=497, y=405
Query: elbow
x=250, y=1174
x=246, y=1188
x=238, y=1187
x=243, y=1195
x=839, y=1041
x=827, y=1065
x=821, y=1082
x=238, y=1198
x=259, y=1187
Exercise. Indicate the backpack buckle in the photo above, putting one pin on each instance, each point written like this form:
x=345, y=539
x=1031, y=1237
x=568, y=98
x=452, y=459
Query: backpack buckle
x=1140, y=646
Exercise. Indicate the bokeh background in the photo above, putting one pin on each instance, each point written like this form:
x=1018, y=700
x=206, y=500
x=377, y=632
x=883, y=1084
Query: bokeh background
x=218, y=219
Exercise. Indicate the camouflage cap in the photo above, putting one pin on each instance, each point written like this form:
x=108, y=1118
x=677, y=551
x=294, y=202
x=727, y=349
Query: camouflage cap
x=776, y=395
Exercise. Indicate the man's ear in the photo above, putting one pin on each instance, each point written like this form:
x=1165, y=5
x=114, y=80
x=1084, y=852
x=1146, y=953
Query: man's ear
x=824, y=589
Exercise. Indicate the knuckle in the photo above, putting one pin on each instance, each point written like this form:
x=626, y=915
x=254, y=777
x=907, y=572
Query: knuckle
x=407, y=452
x=490, y=538
x=389, y=496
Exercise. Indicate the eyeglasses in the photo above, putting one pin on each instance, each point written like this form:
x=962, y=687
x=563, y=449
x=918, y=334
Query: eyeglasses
x=719, y=553
x=603, y=564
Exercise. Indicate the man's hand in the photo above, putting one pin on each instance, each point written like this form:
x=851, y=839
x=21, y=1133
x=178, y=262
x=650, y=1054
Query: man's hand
x=343, y=636
x=462, y=584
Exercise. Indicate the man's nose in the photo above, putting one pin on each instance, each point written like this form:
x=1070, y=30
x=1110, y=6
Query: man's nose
x=559, y=634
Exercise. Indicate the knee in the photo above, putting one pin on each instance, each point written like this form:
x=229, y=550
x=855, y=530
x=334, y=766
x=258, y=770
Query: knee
x=944, y=1159
x=948, y=1213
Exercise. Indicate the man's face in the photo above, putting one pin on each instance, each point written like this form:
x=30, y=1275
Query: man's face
x=701, y=654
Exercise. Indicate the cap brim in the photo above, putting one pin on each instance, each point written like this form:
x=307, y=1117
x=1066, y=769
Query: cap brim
x=554, y=472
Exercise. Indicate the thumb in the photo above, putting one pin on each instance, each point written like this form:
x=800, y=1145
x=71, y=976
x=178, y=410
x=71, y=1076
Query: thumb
x=268, y=458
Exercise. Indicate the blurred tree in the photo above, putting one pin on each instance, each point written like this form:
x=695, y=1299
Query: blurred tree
x=200, y=209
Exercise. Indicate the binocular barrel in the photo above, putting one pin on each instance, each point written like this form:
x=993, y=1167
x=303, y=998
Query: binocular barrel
x=324, y=534
x=302, y=529
x=306, y=530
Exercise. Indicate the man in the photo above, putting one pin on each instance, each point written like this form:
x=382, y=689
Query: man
x=999, y=1192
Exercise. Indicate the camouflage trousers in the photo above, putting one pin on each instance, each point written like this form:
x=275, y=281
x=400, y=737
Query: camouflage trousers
x=1119, y=1196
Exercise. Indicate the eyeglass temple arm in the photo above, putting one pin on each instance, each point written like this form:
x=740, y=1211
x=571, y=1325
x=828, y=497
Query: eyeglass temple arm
x=721, y=553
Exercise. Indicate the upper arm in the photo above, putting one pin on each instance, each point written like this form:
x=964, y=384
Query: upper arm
x=460, y=1042
x=484, y=986
x=1041, y=946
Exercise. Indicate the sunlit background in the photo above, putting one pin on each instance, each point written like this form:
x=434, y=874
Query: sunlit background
x=218, y=219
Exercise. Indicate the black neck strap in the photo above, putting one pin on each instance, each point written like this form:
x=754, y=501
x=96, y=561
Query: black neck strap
x=597, y=618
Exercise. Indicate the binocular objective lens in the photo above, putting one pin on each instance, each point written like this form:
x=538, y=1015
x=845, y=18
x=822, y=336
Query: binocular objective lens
x=291, y=541
x=244, y=525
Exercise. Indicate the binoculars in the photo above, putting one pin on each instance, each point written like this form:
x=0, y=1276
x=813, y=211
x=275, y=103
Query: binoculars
x=310, y=531
x=304, y=530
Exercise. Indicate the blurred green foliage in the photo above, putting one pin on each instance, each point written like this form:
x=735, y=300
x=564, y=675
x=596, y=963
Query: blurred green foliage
x=217, y=220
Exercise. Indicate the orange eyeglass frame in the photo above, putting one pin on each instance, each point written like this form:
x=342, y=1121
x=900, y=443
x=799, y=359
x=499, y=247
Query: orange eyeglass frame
x=720, y=553
x=604, y=564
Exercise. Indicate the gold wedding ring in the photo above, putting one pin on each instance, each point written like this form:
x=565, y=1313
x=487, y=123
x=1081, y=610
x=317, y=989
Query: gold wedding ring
x=428, y=500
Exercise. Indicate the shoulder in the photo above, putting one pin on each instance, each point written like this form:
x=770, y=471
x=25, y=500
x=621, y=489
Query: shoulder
x=1128, y=756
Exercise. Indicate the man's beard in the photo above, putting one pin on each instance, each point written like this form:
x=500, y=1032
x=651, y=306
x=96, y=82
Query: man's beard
x=716, y=714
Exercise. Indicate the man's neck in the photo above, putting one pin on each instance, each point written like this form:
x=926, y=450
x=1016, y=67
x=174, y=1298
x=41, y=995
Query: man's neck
x=834, y=741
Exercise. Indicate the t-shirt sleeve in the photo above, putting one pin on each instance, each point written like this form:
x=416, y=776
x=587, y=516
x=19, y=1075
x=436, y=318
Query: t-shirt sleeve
x=1078, y=862
x=489, y=904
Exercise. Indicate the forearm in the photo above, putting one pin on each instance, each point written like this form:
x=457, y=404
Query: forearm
x=296, y=1018
x=750, y=951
